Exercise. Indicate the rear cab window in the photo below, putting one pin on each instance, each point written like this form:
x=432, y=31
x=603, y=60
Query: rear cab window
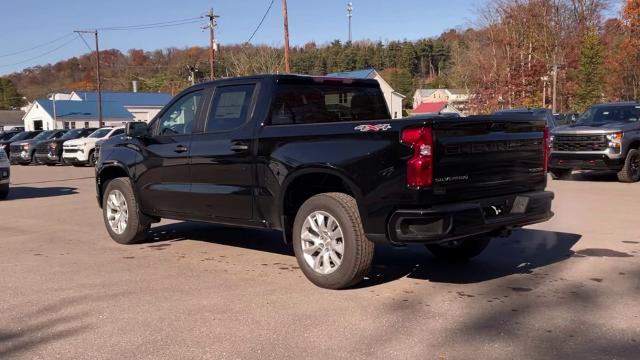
x=326, y=102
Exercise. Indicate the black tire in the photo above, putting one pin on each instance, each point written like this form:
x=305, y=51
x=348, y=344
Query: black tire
x=460, y=250
x=4, y=191
x=560, y=174
x=358, y=250
x=92, y=158
x=630, y=172
x=136, y=229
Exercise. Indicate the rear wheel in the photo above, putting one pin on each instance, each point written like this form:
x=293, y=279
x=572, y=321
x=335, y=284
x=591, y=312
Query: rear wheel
x=121, y=214
x=329, y=241
x=560, y=174
x=460, y=250
x=631, y=171
x=4, y=191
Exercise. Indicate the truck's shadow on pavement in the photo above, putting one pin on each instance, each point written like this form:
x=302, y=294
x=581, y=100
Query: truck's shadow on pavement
x=524, y=251
x=28, y=192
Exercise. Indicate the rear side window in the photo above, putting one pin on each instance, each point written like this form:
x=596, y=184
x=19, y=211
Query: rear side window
x=230, y=107
x=311, y=104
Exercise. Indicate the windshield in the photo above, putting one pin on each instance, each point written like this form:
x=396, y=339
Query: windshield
x=100, y=133
x=6, y=136
x=607, y=114
x=44, y=135
x=71, y=134
x=21, y=136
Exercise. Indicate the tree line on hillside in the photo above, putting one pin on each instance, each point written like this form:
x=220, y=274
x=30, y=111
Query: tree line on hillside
x=502, y=60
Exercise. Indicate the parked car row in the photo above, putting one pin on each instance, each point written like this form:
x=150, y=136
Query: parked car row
x=51, y=147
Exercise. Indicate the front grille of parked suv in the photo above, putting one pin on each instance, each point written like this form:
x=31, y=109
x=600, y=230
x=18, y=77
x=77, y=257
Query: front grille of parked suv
x=16, y=149
x=580, y=143
x=42, y=148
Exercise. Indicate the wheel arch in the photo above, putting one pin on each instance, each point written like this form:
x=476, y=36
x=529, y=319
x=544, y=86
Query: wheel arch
x=307, y=182
x=108, y=173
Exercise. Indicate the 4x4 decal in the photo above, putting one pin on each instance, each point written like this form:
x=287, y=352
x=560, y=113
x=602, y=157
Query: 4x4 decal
x=379, y=127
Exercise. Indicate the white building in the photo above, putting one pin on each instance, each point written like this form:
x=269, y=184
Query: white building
x=394, y=99
x=45, y=114
x=457, y=98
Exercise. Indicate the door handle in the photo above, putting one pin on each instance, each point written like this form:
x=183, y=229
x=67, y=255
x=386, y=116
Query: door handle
x=181, y=148
x=239, y=147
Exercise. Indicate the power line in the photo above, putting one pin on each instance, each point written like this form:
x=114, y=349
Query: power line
x=260, y=23
x=39, y=56
x=36, y=46
x=153, y=25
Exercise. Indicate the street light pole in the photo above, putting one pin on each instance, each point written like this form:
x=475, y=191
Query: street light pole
x=98, y=80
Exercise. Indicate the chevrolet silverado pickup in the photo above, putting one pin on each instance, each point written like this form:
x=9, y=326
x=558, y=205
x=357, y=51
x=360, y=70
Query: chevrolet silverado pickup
x=605, y=137
x=321, y=160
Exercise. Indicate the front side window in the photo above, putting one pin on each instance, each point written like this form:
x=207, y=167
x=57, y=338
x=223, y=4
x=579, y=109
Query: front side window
x=180, y=118
x=230, y=107
x=117, y=132
x=325, y=103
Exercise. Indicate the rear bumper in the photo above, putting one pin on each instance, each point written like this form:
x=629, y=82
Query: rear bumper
x=458, y=220
x=583, y=161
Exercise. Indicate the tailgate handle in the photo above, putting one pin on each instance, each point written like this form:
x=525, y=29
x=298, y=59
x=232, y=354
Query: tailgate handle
x=239, y=147
x=181, y=148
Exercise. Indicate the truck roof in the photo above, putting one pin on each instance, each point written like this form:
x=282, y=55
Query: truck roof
x=296, y=78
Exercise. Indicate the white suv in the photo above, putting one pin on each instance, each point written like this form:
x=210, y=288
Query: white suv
x=5, y=170
x=79, y=152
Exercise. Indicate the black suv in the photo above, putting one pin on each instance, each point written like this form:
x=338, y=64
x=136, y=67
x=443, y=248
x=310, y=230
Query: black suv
x=49, y=152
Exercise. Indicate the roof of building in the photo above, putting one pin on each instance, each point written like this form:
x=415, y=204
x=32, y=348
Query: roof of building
x=128, y=98
x=430, y=108
x=11, y=117
x=426, y=92
x=73, y=109
x=356, y=74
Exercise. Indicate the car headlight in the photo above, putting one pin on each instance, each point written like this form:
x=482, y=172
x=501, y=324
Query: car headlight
x=53, y=146
x=615, y=137
x=25, y=146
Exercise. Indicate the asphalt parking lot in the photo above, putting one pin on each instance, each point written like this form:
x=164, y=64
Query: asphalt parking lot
x=568, y=288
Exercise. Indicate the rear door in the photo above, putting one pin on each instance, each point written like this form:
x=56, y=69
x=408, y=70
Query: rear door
x=222, y=164
x=164, y=182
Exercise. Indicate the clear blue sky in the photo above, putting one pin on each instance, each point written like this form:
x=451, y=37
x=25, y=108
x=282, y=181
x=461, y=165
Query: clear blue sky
x=28, y=23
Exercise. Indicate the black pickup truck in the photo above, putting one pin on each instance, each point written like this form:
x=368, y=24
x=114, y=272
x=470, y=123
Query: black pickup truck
x=321, y=160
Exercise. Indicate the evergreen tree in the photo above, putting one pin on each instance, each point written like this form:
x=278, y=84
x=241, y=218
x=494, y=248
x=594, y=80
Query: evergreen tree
x=10, y=98
x=590, y=74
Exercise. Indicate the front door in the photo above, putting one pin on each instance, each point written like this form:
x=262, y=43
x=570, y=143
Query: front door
x=222, y=170
x=163, y=180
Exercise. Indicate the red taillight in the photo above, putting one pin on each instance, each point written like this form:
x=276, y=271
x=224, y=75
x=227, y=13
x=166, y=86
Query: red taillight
x=420, y=166
x=547, y=149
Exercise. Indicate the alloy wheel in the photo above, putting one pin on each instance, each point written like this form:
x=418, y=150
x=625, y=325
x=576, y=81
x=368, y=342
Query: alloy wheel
x=322, y=242
x=117, y=212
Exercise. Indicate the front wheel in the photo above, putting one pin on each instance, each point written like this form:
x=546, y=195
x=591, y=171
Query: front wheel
x=460, y=250
x=121, y=214
x=631, y=171
x=92, y=158
x=329, y=241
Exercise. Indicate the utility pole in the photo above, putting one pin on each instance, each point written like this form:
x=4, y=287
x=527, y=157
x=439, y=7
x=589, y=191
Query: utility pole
x=212, y=51
x=544, y=79
x=349, y=15
x=98, y=81
x=555, y=84
x=286, y=36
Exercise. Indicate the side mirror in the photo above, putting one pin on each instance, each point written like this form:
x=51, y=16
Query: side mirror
x=136, y=129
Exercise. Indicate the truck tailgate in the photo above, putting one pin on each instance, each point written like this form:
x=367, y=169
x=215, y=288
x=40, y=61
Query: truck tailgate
x=484, y=156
